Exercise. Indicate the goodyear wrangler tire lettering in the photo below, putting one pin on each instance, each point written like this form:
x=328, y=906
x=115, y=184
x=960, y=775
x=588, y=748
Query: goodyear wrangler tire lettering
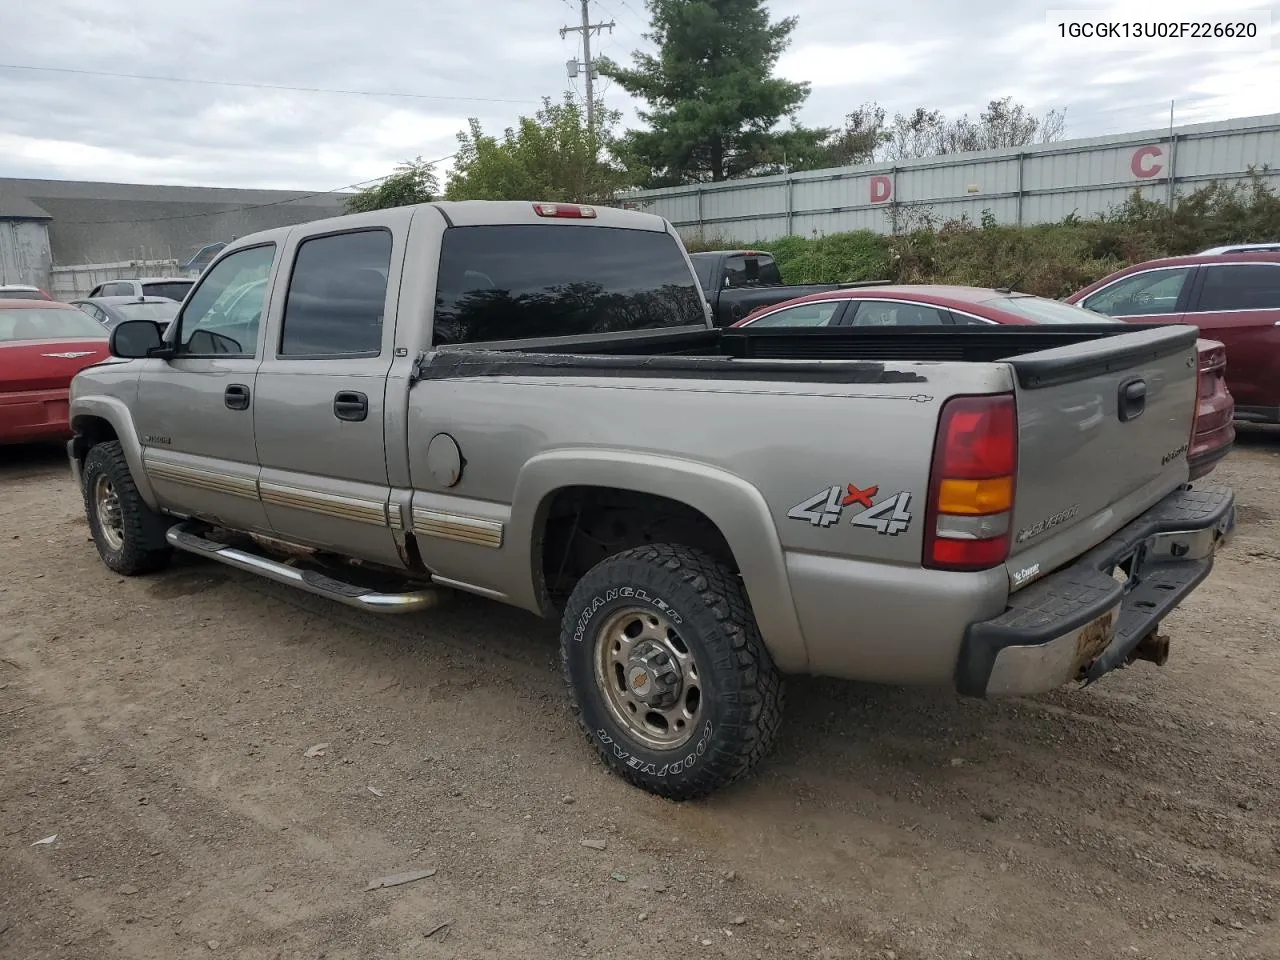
x=630, y=672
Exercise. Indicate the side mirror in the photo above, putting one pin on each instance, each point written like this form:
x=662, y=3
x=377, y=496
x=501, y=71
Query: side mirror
x=135, y=339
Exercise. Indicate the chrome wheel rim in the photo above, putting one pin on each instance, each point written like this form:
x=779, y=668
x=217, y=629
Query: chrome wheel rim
x=107, y=507
x=649, y=678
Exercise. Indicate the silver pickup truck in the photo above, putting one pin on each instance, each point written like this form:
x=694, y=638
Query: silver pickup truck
x=529, y=402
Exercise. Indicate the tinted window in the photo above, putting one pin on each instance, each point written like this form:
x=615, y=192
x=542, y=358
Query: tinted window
x=1141, y=294
x=1241, y=287
x=22, y=295
x=1047, y=311
x=92, y=311
x=744, y=271
x=225, y=310
x=555, y=280
x=44, y=323
x=817, y=313
x=173, y=289
x=887, y=313
x=118, y=290
x=337, y=295
x=705, y=268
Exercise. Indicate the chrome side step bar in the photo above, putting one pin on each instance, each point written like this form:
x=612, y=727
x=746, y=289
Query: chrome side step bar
x=182, y=537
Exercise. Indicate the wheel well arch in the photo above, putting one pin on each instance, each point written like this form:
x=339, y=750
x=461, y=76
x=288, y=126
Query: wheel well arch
x=578, y=526
x=91, y=430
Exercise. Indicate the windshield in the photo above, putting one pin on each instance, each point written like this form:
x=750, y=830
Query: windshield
x=42, y=323
x=1042, y=310
x=173, y=289
x=148, y=311
x=21, y=295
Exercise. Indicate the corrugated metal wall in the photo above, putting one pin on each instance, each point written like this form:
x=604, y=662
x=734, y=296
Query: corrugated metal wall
x=1034, y=184
x=24, y=252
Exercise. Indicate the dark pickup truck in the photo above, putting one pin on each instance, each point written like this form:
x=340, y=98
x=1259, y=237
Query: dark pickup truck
x=735, y=282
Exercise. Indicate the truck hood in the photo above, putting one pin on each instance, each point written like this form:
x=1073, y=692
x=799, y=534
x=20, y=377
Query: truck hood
x=47, y=364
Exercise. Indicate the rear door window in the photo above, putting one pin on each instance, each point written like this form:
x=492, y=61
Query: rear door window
x=891, y=313
x=530, y=281
x=1240, y=286
x=337, y=296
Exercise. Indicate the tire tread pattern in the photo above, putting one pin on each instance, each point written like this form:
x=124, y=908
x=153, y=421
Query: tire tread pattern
x=738, y=744
x=145, y=549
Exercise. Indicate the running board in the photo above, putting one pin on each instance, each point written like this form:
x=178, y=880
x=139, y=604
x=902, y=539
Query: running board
x=353, y=595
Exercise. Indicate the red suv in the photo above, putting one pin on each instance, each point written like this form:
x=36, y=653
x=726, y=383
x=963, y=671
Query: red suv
x=1232, y=297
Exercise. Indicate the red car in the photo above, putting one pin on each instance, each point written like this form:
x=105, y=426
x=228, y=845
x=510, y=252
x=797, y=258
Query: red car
x=1231, y=297
x=936, y=305
x=43, y=344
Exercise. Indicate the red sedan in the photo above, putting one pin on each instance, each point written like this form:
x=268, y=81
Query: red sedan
x=937, y=305
x=43, y=344
x=1232, y=297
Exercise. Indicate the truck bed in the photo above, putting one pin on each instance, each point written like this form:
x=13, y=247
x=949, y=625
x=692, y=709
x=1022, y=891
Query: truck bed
x=1039, y=355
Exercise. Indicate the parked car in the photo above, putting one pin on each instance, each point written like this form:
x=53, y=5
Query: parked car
x=940, y=306
x=22, y=291
x=109, y=311
x=43, y=344
x=735, y=282
x=1242, y=248
x=174, y=288
x=528, y=401
x=1231, y=297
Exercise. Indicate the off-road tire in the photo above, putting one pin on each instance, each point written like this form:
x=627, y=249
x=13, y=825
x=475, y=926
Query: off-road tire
x=144, y=548
x=742, y=699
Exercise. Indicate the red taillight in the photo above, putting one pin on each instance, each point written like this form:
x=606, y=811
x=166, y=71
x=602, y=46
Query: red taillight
x=975, y=463
x=568, y=211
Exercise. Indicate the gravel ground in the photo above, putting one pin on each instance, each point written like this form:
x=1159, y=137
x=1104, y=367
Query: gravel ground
x=160, y=728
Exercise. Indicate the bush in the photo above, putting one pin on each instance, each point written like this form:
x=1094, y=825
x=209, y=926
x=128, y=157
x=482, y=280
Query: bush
x=1052, y=260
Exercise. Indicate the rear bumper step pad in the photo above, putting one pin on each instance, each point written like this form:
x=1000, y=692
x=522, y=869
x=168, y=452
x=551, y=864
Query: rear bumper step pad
x=1081, y=622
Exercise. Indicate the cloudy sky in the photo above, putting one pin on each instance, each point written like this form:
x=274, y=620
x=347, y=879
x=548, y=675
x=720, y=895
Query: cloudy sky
x=71, y=121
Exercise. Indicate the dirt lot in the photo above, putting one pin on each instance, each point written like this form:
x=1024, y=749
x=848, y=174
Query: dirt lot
x=159, y=727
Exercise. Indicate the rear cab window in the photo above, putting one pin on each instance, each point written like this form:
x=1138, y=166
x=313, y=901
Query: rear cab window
x=751, y=270
x=533, y=281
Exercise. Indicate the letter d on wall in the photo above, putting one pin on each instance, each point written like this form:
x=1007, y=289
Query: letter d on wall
x=881, y=188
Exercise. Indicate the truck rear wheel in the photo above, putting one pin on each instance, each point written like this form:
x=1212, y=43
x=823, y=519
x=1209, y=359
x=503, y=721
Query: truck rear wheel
x=130, y=536
x=669, y=676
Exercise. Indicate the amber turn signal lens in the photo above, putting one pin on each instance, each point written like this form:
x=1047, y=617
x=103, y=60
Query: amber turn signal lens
x=975, y=497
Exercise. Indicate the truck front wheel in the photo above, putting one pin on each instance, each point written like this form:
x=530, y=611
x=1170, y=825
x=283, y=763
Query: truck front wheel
x=669, y=676
x=130, y=536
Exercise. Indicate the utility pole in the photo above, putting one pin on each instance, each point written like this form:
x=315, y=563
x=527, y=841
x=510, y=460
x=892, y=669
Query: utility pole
x=586, y=63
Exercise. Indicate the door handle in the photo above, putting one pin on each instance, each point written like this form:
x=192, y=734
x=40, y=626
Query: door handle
x=236, y=397
x=350, y=405
x=1132, y=400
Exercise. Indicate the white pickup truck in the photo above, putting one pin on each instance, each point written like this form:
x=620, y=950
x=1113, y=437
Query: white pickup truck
x=530, y=402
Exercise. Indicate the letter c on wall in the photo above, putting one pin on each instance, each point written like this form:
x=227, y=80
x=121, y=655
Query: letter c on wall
x=881, y=188
x=1139, y=164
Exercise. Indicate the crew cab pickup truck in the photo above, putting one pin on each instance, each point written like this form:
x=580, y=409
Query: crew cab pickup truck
x=736, y=282
x=529, y=402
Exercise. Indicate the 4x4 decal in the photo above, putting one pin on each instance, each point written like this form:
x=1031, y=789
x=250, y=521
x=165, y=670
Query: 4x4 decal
x=889, y=517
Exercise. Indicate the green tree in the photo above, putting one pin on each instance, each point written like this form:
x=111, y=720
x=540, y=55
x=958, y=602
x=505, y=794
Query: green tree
x=413, y=182
x=713, y=102
x=549, y=156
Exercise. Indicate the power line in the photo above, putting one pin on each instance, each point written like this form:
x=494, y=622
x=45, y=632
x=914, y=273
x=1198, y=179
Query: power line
x=252, y=206
x=258, y=86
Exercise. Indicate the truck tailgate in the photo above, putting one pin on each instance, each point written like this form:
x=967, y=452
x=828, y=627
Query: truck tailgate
x=1103, y=432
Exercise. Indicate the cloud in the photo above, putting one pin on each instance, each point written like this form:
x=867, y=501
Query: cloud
x=497, y=62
